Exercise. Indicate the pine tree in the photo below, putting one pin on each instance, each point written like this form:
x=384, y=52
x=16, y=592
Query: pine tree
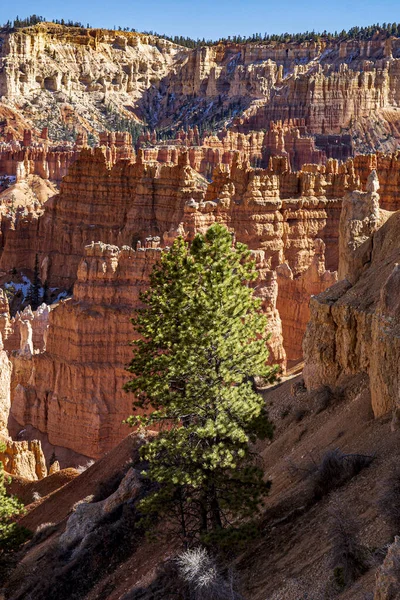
x=53, y=458
x=202, y=340
x=34, y=291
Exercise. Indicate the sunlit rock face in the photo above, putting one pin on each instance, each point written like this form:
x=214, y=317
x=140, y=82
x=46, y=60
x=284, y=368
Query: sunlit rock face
x=69, y=369
x=354, y=325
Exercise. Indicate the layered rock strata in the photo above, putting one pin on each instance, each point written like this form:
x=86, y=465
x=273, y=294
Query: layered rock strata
x=5, y=388
x=78, y=379
x=21, y=158
x=292, y=303
x=87, y=78
x=73, y=391
x=354, y=325
x=23, y=459
x=290, y=139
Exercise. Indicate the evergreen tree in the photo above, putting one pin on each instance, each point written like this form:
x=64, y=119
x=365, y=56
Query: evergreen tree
x=202, y=340
x=34, y=291
x=53, y=458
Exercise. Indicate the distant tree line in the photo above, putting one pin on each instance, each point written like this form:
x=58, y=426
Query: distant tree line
x=356, y=33
x=17, y=23
x=35, y=19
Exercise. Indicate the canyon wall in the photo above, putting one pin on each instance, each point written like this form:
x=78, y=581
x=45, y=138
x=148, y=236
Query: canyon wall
x=21, y=158
x=73, y=391
x=354, y=325
x=342, y=95
x=289, y=139
x=70, y=387
x=77, y=78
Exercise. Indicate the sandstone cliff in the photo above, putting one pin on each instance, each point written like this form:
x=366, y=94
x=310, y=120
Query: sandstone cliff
x=290, y=220
x=71, y=386
x=73, y=391
x=88, y=79
x=23, y=459
x=354, y=325
x=77, y=77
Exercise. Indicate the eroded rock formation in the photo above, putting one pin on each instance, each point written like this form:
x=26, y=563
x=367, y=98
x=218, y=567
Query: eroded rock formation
x=293, y=294
x=337, y=93
x=290, y=221
x=354, y=325
x=5, y=388
x=23, y=459
x=87, y=515
x=387, y=583
x=21, y=158
x=73, y=391
x=289, y=139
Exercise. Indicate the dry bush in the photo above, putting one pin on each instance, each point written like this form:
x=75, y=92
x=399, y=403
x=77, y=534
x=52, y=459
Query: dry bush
x=335, y=469
x=200, y=573
x=86, y=500
x=350, y=559
x=299, y=472
x=82, y=468
x=322, y=398
x=329, y=472
x=389, y=501
x=193, y=575
x=42, y=533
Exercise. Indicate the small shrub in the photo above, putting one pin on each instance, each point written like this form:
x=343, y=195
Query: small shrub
x=12, y=535
x=285, y=412
x=43, y=527
x=299, y=472
x=349, y=557
x=335, y=469
x=36, y=496
x=338, y=577
x=86, y=500
x=300, y=413
x=322, y=399
x=82, y=468
x=389, y=501
x=200, y=573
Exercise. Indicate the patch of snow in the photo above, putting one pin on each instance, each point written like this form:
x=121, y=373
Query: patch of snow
x=20, y=287
x=61, y=296
x=23, y=287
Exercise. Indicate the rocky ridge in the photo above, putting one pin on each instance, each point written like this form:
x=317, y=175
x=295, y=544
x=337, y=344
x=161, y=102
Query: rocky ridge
x=361, y=311
x=90, y=79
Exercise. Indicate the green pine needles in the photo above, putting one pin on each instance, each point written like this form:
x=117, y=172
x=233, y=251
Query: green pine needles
x=202, y=341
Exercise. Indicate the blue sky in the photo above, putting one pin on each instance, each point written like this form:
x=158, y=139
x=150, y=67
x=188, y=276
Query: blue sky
x=212, y=18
